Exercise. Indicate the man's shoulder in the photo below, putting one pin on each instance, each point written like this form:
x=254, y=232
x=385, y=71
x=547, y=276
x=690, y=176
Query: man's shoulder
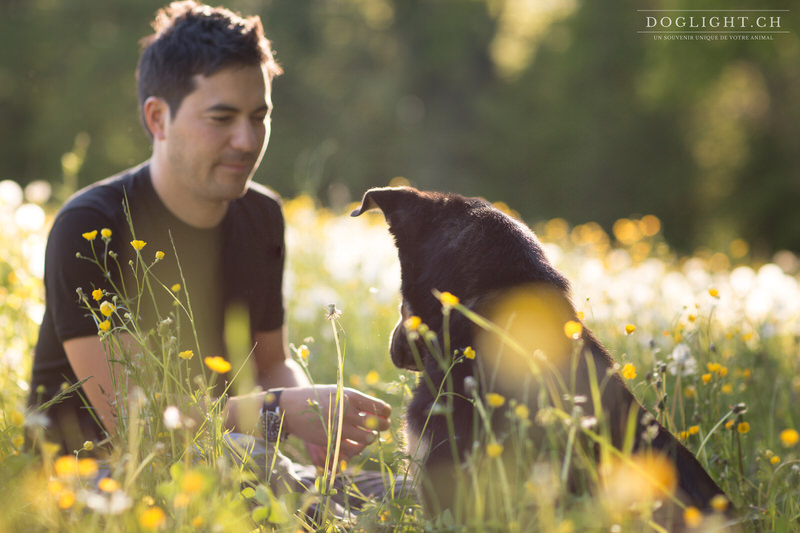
x=258, y=202
x=257, y=192
x=108, y=195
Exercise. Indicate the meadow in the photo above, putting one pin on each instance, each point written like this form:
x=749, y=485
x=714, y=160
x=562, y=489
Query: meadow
x=710, y=343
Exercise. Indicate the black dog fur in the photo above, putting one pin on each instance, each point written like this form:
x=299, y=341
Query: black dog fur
x=465, y=246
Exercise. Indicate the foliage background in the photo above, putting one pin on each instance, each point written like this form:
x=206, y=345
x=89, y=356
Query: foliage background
x=559, y=108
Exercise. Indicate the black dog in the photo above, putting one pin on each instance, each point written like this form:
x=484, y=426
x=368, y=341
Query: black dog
x=496, y=267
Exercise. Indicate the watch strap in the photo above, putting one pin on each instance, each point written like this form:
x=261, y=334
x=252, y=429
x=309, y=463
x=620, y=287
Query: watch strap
x=271, y=417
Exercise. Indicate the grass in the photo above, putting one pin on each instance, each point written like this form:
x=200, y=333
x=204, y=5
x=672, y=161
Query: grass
x=709, y=343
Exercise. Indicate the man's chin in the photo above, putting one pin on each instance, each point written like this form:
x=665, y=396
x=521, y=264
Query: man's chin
x=232, y=187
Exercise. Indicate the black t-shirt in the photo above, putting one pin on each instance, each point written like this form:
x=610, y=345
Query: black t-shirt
x=239, y=262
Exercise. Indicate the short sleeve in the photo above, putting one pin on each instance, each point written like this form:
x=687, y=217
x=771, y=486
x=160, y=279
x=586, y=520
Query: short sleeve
x=71, y=264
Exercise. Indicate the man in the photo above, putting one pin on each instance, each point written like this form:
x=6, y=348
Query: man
x=204, y=86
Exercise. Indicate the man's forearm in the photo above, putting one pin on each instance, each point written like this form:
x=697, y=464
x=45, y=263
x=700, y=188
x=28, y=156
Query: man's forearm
x=288, y=373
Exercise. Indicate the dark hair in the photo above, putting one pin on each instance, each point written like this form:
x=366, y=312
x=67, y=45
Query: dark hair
x=191, y=38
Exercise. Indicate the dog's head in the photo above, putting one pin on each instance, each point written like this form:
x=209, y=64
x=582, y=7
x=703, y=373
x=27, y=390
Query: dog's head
x=464, y=246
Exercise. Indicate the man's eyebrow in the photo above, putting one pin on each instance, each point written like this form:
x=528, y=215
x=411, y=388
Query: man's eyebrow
x=226, y=108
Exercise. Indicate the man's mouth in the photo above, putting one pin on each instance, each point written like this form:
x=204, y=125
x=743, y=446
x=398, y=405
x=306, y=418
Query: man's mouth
x=236, y=166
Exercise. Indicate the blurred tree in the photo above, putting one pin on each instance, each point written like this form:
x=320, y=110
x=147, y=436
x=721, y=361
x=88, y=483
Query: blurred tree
x=559, y=108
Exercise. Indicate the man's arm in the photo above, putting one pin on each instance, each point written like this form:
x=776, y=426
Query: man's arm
x=88, y=359
x=274, y=367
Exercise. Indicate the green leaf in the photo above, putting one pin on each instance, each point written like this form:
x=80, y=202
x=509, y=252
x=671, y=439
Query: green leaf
x=260, y=514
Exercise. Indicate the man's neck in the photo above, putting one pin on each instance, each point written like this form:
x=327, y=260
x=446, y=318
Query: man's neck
x=193, y=210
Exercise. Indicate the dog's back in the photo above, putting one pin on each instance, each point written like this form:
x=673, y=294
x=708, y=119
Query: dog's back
x=496, y=267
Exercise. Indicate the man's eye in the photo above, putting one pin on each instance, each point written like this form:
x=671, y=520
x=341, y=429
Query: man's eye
x=220, y=118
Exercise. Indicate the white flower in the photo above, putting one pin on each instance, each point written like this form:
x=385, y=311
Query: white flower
x=112, y=504
x=35, y=419
x=682, y=362
x=172, y=417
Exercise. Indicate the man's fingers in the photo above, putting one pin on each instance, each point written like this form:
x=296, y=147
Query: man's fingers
x=368, y=421
x=363, y=403
x=359, y=435
x=350, y=448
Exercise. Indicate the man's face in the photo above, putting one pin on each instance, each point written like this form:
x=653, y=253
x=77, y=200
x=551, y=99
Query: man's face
x=215, y=141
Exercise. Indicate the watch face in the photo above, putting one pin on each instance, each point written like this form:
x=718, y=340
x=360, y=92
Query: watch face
x=270, y=425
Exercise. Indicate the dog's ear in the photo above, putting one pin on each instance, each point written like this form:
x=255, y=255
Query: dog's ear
x=403, y=207
x=387, y=199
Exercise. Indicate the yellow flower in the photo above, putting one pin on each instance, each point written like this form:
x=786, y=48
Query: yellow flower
x=152, y=518
x=469, y=352
x=521, y=411
x=159, y=255
x=573, y=329
x=717, y=368
x=372, y=378
x=629, y=371
x=107, y=308
x=789, y=437
x=176, y=287
x=88, y=445
x=371, y=422
x=629, y=329
x=494, y=449
x=694, y=430
x=217, y=364
x=97, y=295
x=726, y=389
x=448, y=299
x=706, y=378
x=690, y=392
x=108, y=485
x=729, y=424
x=719, y=503
x=105, y=233
x=714, y=293
x=104, y=326
x=66, y=499
x=89, y=235
x=412, y=323
x=775, y=459
x=186, y=354
x=181, y=500
x=495, y=400
x=54, y=487
x=87, y=467
x=193, y=482
x=580, y=315
x=303, y=352
x=692, y=516
x=138, y=245
x=17, y=418
x=66, y=466
x=743, y=427
x=198, y=522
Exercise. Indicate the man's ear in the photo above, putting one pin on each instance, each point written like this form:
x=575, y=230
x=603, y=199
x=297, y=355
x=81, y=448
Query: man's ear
x=156, y=115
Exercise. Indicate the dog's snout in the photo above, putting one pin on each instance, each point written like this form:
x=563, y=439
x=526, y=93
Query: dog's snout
x=400, y=350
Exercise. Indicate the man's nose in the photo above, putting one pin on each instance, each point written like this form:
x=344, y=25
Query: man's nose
x=247, y=137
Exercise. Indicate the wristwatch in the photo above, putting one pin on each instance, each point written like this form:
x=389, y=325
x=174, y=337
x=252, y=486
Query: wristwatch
x=270, y=417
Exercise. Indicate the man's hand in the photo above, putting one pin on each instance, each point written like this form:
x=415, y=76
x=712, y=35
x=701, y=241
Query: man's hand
x=310, y=412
